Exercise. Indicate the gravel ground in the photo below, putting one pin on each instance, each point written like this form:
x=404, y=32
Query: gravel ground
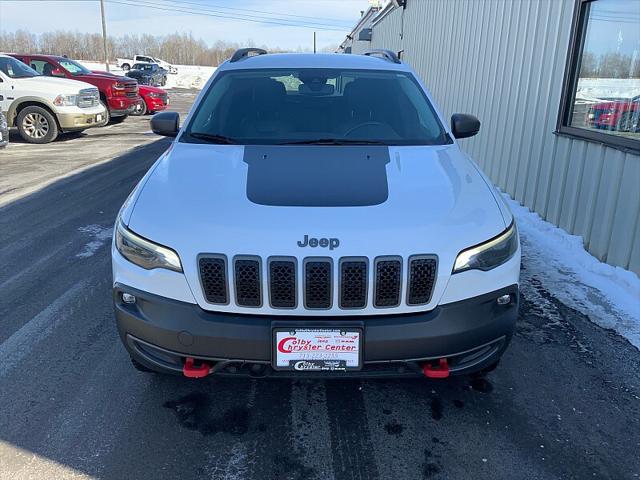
x=563, y=404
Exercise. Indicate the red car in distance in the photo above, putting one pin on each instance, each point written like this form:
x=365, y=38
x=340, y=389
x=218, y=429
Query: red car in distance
x=154, y=99
x=619, y=115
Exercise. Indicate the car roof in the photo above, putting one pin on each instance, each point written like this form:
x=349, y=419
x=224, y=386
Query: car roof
x=311, y=60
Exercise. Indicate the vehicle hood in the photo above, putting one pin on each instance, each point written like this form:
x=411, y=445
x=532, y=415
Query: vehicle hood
x=147, y=89
x=53, y=86
x=138, y=74
x=103, y=75
x=256, y=200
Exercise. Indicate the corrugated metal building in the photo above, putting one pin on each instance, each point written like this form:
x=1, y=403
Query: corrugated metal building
x=517, y=65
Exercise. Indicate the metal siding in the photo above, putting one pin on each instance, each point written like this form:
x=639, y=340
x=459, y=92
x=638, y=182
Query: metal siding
x=504, y=61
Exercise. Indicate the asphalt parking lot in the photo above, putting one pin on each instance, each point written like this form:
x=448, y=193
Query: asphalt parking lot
x=563, y=404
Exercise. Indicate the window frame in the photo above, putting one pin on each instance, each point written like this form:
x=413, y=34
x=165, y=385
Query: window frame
x=570, y=83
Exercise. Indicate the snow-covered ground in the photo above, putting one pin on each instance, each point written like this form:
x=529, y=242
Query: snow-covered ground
x=188, y=76
x=595, y=89
x=558, y=262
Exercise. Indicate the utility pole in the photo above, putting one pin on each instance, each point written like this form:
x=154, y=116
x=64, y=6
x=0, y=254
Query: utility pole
x=314, y=42
x=104, y=36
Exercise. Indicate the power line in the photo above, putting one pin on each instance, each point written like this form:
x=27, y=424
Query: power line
x=347, y=22
x=244, y=15
x=191, y=11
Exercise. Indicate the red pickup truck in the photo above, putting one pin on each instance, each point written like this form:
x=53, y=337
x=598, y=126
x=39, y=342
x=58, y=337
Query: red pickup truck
x=118, y=94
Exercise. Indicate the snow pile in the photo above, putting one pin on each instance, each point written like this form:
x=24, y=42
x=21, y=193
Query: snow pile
x=595, y=89
x=557, y=261
x=188, y=76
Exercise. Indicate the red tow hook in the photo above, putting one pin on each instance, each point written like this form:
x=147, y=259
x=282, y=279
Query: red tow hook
x=192, y=371
x=439, y=371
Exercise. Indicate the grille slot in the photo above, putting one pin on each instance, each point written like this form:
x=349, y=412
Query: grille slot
x=282, y=283
x=353, y=283
x=422, y=276
x=213, y=275
x=388, y=280
x=247, y=282
x=317, y=283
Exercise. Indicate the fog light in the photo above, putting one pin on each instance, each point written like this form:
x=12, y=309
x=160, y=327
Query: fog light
x=128, y=298
x=502, y=300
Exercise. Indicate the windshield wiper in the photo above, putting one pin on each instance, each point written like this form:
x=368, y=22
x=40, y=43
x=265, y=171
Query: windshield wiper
x=333, y=141
x=211, y=138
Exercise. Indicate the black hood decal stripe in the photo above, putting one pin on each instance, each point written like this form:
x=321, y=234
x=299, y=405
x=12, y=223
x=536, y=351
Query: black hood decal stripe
x=317, y=176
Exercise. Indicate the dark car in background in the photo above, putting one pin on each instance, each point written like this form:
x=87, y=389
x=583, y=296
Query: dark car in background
x=148, y=74
x=622, y=115
x=4, y=131
x=118, y=94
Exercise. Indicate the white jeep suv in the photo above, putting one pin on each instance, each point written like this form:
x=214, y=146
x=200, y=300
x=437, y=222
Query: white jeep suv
x=315, y=216
x=41, y=107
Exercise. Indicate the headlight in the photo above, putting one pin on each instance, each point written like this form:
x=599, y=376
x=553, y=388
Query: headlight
x=154, y=95
x=66, y=100
x=490, y=254
x=144, y=253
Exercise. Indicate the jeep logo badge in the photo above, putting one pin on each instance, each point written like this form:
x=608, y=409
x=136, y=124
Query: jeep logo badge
x=319, y=242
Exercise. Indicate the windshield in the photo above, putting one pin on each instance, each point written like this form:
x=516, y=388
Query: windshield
x=16, y=69
x=142, y=66
x=315, y=106
x=73, y=67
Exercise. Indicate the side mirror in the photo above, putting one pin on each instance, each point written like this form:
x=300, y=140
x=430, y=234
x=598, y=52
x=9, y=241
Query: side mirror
x=166, y=124
x=56, y=72
x=464, y=125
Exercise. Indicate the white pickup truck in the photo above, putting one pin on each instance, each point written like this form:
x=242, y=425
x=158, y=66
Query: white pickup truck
x=42, y=107
x=126, y=63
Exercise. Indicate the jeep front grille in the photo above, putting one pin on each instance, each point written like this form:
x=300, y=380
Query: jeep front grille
x=422, y=276
x=213, y=275
x=318, y=276
x=317, y=283
x=353, y=283
x=247, y=282
x=388, y=282
x=282, y=283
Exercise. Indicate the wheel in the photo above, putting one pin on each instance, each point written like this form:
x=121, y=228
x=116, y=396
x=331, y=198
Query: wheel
x=107, y=115
x=140, y=109
x=163, y=82
x=37, y=125
x=126, y=67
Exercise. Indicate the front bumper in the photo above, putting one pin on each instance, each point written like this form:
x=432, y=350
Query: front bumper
x=155, y=104
x=120, y=106
x=472, y=334
x=79, y=119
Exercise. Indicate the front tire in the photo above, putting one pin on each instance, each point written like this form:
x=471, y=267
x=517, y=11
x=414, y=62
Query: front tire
x=140, y=109
x=126, y=67
x=37, y=125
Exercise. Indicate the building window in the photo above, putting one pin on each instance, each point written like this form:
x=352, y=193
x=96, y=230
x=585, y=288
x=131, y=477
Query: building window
x=601, y=93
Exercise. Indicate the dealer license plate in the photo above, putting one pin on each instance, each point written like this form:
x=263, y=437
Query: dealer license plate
x=317, y=349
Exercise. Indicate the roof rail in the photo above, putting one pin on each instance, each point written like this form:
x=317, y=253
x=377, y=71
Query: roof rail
x=244, y=53
x=387, y=55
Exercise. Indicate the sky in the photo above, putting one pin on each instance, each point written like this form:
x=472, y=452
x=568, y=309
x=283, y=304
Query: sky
x=332, y=19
